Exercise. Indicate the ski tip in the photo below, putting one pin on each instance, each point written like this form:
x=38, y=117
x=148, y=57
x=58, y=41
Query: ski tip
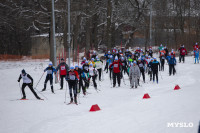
x=23, y=99
x=41, y=99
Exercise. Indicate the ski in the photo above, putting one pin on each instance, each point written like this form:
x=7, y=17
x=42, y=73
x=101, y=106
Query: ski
x=26, y=99
x=72, y=103
x=22, y=99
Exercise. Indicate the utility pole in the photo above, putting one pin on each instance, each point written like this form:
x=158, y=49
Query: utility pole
x=150, y=26
x=53, y=42
x=69, y=34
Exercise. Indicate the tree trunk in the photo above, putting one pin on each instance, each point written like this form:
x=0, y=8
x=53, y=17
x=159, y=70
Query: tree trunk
x=109, y=13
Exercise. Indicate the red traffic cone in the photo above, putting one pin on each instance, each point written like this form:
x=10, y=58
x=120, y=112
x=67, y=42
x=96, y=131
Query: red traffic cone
x=146, y=96
x=94, y=108
x=177, y=87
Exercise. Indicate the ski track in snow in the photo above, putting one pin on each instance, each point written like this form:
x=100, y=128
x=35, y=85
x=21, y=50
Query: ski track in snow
x=122, y=108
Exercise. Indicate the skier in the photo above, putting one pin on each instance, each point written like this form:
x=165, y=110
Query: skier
x=50, y=70
x=63, y=67
x=160, y=48
x=183, y=52
x=27, y=81
x=196, y=52
x=150, y=68
x=86, y=71
x=166, y=51
x=116, y=71
x=134, y=74
x=141, y=66
x=72, y=77
x=99, y=66
x=93, y=75
x=83, y=62
x=107, y=58
x=154, y=66
x=92, y=62
x=94, y=55
x=172, y=63
x=82, y=81
x=150, y=52
x=162, y=57
x=124, y=66
x=110, y=61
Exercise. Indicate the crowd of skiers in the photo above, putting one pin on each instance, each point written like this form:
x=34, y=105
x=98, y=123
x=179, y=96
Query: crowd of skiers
x=135, y=64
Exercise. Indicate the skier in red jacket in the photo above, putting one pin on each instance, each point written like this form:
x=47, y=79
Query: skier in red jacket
x=63, y=67
x=116, y=71
x=183, y=52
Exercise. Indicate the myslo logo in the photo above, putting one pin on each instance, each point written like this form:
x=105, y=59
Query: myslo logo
x=180, y=124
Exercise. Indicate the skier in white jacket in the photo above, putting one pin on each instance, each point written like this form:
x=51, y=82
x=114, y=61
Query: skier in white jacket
x=134, y=74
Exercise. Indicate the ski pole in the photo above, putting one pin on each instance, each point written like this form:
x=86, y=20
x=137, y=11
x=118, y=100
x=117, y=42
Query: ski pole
x=161, y=75
x=39, y=80
x=37, y=85
x=65, y=93
x=124, y=80
x=79, y=98
x=20, y=89
x=40, y=93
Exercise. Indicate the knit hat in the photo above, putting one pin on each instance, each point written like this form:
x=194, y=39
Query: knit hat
x=50, y=64
x=84, y=58
x=116, y=58
x=131, y=64
x=72, y=67
x=76, y=65
x=23, y=71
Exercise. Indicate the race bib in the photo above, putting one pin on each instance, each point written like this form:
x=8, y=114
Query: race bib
x=72, y=77
x=183, y=51
x=62, y=68
x=140, y=65
x=86, y=67
x=49, y=71
x=115, y=65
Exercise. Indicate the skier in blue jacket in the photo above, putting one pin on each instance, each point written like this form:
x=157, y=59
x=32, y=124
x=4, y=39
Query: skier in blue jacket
x=50, y=70
x=172, y=63
x=196, y=54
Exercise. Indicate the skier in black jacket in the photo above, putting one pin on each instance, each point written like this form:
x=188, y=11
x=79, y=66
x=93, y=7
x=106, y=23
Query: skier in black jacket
x=27, y=81
x=155, y=65
x=141, y=66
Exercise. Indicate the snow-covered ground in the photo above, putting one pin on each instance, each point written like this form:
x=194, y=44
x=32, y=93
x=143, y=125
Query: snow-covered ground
x=122, y=109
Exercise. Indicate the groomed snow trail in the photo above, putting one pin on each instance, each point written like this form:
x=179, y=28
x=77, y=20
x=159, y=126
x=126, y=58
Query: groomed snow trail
x=122, y=109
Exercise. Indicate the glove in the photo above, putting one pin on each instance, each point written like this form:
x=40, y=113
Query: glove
x=18, y=80
x=31, y=84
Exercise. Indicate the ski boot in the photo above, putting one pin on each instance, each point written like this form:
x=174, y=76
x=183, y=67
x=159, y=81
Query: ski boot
x=24, y=97
x=44, y=89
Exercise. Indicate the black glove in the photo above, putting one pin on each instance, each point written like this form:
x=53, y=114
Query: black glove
x=31, y=84
x=18, y=80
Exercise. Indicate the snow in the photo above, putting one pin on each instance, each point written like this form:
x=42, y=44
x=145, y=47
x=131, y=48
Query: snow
x=122, y=109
